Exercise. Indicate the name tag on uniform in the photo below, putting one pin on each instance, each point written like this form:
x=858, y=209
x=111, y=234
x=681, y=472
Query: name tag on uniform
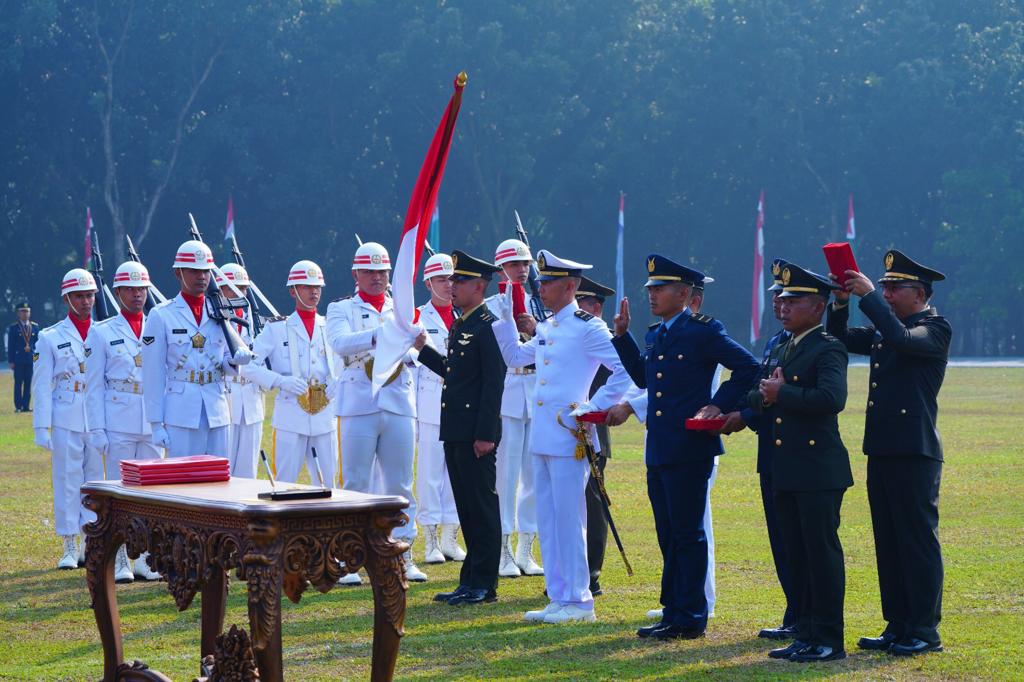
x=117, y=343
x=541, y=343
x=366, y=316
x=431, y=331
x=64, y=345
x=285, y=343
x=179, y=331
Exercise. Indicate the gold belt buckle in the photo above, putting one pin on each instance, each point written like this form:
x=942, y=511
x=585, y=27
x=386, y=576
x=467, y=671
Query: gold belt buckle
x=314, y=400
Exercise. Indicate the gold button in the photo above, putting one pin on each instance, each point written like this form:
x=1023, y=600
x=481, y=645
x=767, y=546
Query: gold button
x=871, y=403
x=810, y=442
x=658, y=394
x=547, y=362
x=551, y=342
x=442, y=405
x=543, y=381
x=540, y=402
x=879, y=344
x=876, y=365
x=778, y=420
x=467, y=407
x=796, y=378
x=658, y=375
x=679, y=357
x=661, y=357
x=461, y=353
x=874, y=384
x=903, y=411
x=778, y=441
x=658, y=413
x=447, y=369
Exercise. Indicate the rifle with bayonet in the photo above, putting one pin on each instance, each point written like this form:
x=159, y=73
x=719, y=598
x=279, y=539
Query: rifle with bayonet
x=219, y=307
x=106, y=305
x=153, y=295
x=537, y=308
x=254, y=296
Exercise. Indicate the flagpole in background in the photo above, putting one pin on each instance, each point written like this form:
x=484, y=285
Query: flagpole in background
x=434, y=237
x=229, y=223
x=757, y=292
x=88, y=238
x=620, y=287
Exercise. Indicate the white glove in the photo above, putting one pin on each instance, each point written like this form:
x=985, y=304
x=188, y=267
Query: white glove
x=506, y=308
x=43, y=439
x=160, y=437
x=98, y=440
x=293, y=385
x=242, y=356
x=582, y=410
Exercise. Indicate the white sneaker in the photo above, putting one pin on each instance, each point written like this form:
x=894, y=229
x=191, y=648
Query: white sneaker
x=507, y=565
x=69, y=559
x=432, y=553
x=656, y=613
x=539, y=616
x=450, y=542
x=142, y=569
x=350, y=579
x=122, y=567
x=571, y=613
x=412, y=571
x=524, y=555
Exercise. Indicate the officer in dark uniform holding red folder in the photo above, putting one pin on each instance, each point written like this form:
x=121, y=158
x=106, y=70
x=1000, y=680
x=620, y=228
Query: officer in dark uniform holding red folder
x=908, y=343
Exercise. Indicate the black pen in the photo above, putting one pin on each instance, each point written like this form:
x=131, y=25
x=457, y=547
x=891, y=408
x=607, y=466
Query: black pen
x=319, y=472
x=270, y=473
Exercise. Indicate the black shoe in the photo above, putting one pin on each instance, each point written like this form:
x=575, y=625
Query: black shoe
x=445, y=596
x=471, y=596
x=880, y=643
x=911, y=646
x=648, y=630
x=785, y=652
x=816, y=653
x=595, y=587
x=677, y=632
x=781, y=632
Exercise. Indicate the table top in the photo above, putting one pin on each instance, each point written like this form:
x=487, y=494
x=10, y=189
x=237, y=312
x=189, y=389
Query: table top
x=239, y=496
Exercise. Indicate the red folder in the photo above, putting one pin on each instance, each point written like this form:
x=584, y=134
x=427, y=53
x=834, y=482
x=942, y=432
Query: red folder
x=594, y=417
x=196, y=469
x=705, y=424
x=840, y=259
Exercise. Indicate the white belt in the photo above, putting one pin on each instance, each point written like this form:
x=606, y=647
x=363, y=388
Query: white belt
x=193, y=376
x=521, y=371
x=67, y=384
x=124, y=385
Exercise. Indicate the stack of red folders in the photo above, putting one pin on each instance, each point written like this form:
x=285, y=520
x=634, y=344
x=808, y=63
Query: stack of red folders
x=195, y=469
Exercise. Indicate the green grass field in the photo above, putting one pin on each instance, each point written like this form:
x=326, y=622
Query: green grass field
x=47, y=631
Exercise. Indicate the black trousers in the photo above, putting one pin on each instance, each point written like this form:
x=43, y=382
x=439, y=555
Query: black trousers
x=597, y=524
x=476, y=501
x=809, y=521
x=779, y=556
x=22, y=386
x=679, y=494
x=903, y=493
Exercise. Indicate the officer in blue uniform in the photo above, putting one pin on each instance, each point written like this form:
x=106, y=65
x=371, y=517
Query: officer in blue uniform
x=21, y=344
x=676, y=367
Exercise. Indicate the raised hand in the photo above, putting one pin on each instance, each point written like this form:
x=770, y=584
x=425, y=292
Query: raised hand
x=621, y=320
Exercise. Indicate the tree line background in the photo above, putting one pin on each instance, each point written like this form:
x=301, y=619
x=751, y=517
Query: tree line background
x=315, y=117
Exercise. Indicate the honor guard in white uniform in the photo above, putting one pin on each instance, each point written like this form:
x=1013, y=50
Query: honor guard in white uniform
x=118, y=427
x=245, y=398
x=568, y=349
x=437, y=514
x=302, y=367
x=516, y=498
x=60, y=421
x=373, y=429
x=184, y=359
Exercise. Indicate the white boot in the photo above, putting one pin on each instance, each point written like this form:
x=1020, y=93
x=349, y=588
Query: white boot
x=524, y=555
x=507, y=566
x=81, y=550
x=570, y=613
x=412, y=571
x=432, y=553
x=122, y=567
x=350, y=579
x=142, y=569
x=69, y=559
x=539, y=616
x=450, y=542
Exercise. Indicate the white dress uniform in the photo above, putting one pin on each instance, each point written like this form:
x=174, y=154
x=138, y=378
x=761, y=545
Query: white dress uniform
x=568, y=349
x=58, y=386
x=183, y=370
x=113, y=376
x=377, y=429
x=301, y=422
x=245, y=402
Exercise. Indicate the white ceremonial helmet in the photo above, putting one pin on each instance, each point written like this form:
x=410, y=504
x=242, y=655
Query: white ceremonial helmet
x=131, y=274
x=234, y=273
x=511, y=250
x=306, y=272
x=438, y=265
x=194, y=255
x=77, y=279
x=371, y=256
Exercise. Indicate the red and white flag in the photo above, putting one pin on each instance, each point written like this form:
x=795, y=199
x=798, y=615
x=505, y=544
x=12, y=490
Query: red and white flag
x=851, y=226
x=757, y=294
x=229, y=224
x=394, y=340
x=88, y=237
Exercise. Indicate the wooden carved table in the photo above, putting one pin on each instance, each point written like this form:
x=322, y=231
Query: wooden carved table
x=196, y=533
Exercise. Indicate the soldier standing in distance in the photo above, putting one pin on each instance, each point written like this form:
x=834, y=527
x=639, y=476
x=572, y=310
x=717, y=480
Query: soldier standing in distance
x=21, y=344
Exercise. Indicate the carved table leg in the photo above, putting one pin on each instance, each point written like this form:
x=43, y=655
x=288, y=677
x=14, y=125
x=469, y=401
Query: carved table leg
x=214, y=600
x=264, y=575
x=100, y=548
x=387, y=575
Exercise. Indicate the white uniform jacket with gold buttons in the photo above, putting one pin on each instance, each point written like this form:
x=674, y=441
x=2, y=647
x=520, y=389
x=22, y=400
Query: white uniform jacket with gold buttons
x=113, y=376
x=517, y=399
x=58, y=379
x=428, y=384
x=245, y=398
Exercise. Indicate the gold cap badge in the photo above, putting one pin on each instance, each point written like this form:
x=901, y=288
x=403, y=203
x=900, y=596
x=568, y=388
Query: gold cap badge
x=775, y=269
x=542, y=262
x=889, y=258
x=785, y=277
x=650, y=265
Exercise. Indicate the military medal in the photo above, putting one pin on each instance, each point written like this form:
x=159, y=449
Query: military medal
x=138, y=360
x=81, y=367
x=27, y=335
x=198, y=341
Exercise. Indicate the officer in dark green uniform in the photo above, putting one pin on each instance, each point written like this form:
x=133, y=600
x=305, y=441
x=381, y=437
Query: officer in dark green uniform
x=909, y=346
x=474, y=378
x=21, y=344
x=810, y=465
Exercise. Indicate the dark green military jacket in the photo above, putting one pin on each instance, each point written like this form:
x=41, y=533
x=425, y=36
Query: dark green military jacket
x=473, y=375
x=808, y=453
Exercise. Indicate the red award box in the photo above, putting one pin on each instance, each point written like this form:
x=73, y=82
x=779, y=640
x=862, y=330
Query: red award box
x=200, y=468
x=840, y=259
x=705, y=424
x=594, y=417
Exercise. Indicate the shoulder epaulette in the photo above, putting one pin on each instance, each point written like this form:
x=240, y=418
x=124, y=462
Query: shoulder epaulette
x=703, y=319
x=487, y=317
x=652, y=325
x=584, y=315
x=341, y=298
x=271, y=320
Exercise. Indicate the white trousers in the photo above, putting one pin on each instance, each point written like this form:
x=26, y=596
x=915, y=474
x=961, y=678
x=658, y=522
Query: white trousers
x=122, y=446
x=709, y=580
x=561, y=484
x=203, y=440
x=244, y=449
x=517, y=499
x=73, y=463
x=291, y=450
x=388, y=440
x=434, y=498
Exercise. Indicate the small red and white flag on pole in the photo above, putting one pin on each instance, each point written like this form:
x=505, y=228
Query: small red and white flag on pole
x=88, y=237
x=757, y=294
x=851, y=226
x=394, y=340
x=229, y=224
